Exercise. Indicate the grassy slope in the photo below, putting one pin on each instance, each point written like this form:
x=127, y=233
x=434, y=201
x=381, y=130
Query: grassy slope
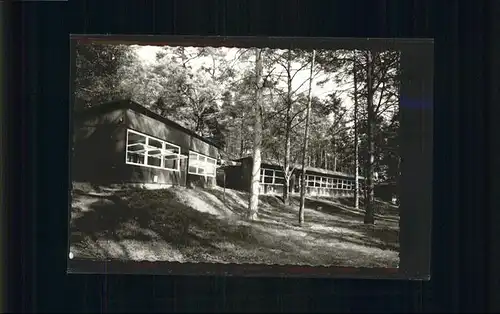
x=188, y=225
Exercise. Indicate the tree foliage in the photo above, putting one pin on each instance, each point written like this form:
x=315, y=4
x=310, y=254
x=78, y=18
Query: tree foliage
x=98, y=73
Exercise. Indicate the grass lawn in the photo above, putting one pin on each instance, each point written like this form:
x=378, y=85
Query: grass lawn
x=194, y=225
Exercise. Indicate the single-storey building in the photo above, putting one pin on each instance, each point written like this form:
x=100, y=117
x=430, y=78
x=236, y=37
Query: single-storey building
x=124, y=143
x=319, y=182
x=386, y=191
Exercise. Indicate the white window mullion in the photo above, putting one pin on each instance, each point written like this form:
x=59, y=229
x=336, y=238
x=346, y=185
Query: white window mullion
x=198, y=164
x=146, y=147
x=178, y=161
x=146, y=151
x=126, y=148
x=195, y=164
x=162, y=156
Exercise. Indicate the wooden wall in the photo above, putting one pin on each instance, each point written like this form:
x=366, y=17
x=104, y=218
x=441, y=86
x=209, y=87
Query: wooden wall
x=98, y=143
x=238, y=178
x=99, y=150
x=147, y=125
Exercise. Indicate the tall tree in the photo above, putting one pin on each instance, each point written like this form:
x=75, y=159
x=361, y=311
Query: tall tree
x=356, y=140
x=369, y=210
x=289, y=99
x=304, y=151
x=288, y=126
x=287, y=111
x=257, y=145
x=380, y=73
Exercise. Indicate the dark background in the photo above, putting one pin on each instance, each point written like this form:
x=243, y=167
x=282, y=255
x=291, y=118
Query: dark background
x=35, y=122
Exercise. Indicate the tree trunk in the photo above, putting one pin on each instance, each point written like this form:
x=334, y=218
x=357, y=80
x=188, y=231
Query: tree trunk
x=356, y=141
x=369, y=204
x=242, y=137
x=255, y=176
x=287, y=167
x=304, y=151
x=286, y=164
x=199, y=123
x=224, y=178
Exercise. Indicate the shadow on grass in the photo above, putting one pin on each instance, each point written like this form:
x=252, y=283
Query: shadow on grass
x=155, y=216
x=158, y=216
x=278, y=216
x=332, y=209
x=345, y=207
x=388, y=236
x=381, y=207
x=382, y=237
x=232, y=200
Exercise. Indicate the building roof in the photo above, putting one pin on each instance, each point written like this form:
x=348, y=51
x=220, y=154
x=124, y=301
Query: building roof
x=388, y=183
x=308, y=169
x=132, y=105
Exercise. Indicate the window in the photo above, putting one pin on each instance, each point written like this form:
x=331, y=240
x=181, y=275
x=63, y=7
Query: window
x=202, y=165
x=329, y=183
x=344, y=185
x=323, y=182
x=317, y=181
x=270, y=176
x=280, y=181
x=146, y=151
x=279, y=177
x=310, y=180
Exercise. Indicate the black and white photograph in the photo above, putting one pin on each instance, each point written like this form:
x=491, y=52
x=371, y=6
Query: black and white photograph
x=235, y=155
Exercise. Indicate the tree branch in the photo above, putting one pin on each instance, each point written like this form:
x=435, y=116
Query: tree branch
x=381, y=96
x=300, y=69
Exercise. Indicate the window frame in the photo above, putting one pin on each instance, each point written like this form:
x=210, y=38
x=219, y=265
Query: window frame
x=274, y=176
x=329, y=183
x=146, y=155
x=207, y=158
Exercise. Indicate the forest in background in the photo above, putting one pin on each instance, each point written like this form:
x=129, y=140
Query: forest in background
x=257, y=101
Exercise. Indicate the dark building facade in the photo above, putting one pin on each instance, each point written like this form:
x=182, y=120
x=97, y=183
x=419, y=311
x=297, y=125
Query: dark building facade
x=386, y=191
x=319, y=182
x=124, y=143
